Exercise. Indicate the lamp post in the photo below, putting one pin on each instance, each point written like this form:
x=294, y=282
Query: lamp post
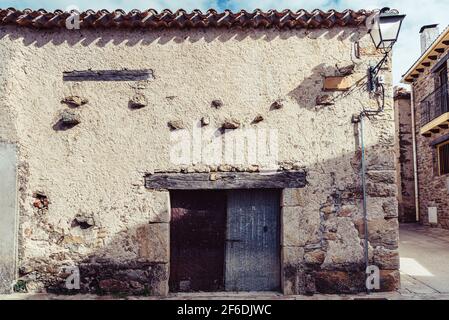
x=384, y=31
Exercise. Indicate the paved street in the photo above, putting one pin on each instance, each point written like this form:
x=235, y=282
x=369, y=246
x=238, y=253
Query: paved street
x=424, y=260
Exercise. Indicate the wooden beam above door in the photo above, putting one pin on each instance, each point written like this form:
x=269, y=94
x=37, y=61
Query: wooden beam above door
x=226, y=180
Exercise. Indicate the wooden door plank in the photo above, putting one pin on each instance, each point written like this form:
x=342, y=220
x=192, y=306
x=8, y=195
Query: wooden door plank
x=253, y=241
x=197, y=241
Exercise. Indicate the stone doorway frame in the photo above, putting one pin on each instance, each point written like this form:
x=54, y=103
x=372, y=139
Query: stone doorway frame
x=289, y=183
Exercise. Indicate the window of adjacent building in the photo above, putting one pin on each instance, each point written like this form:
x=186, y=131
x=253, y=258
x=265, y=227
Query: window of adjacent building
x=442, y=76
x=442, y=95
x=443, y=158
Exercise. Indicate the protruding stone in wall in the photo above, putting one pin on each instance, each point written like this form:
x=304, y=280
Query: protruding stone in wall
x=83, y=222
x=41, y=200
x=205, y=121
x=231, y=124
x=259, y=118
x=346, y=70
x=325, y=100
x=217, y=104
x=68, y=119
x=278, y=104
x=75, y=101
x=176, y=124
x=139, y=101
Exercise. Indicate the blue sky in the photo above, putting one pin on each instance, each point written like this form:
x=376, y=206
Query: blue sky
x=407, y=50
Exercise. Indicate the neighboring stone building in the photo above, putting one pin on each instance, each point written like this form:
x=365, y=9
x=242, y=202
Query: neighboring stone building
x=404, y=155
x=429, y=80
x=93, y=121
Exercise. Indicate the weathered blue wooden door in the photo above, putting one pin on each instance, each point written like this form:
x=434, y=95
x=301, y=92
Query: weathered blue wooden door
x=253, y=241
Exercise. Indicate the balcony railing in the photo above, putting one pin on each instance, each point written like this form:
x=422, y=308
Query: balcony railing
x=435, y=105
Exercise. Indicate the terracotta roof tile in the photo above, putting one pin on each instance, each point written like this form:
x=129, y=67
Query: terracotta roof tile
x=151, y=19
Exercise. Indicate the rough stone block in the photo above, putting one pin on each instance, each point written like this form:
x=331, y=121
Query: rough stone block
x=348, y=211
x=309, y=229
x=113, y=286
x=292, y=256
x=154, y=242
x=386, y=259
x=390, y=207
x=160, y=207
x=381, y=159
x=159, y=284
x=390, y=280
x=381, y=232
x=290, y=226
x=381, y=189
x=340, y=282
x=388, y=177
x=314, y=258
x=292, y=197
x=347, y=252
x=293, y=279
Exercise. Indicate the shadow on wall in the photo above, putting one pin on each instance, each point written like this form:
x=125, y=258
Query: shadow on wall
x=147, y=37
x=311, y=87
x=330, y=244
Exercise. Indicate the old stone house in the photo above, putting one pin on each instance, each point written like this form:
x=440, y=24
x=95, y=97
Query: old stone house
x=106, y=175
x=430, y=100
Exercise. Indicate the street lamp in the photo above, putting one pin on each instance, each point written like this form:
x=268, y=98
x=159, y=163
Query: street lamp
x=384, y=30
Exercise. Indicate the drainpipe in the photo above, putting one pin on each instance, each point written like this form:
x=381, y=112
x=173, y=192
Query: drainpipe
x=365, y=214
x=415, y=158
x=362, y=115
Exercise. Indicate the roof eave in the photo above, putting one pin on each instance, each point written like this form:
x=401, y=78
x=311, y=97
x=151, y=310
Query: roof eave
x=444, y=36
